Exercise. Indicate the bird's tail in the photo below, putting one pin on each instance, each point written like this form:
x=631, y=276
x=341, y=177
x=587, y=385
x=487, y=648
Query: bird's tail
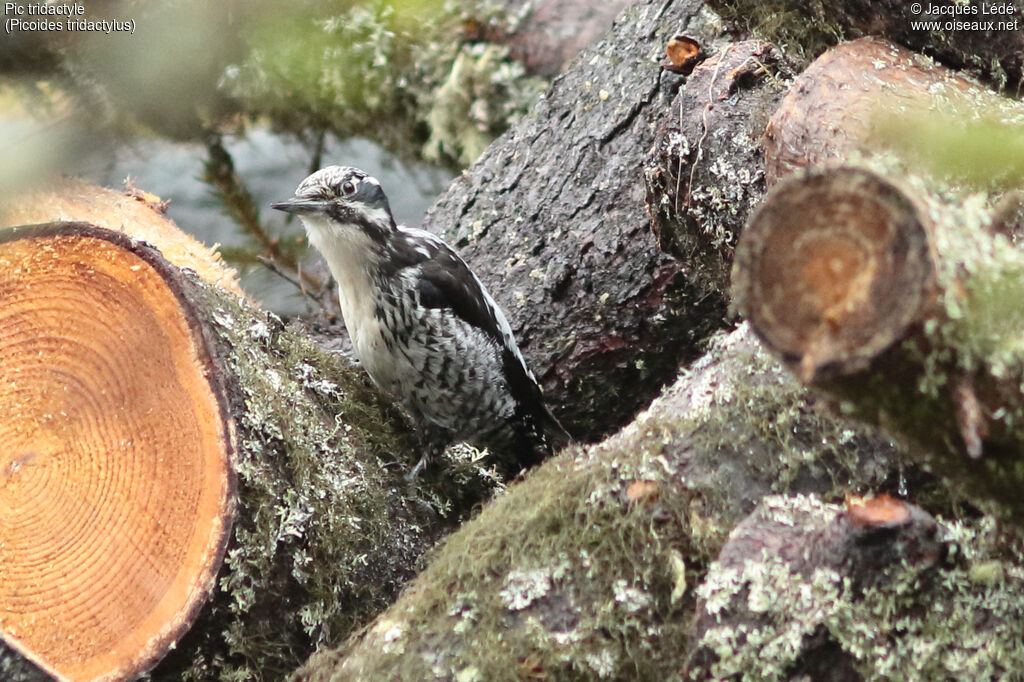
x=528, y=440
x=555, y=434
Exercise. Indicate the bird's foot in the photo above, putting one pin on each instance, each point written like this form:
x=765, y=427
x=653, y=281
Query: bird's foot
x=410, y=477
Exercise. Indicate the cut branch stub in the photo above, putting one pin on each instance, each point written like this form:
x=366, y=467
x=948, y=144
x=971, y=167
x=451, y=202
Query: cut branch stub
x=116, y=453
x=832, y=269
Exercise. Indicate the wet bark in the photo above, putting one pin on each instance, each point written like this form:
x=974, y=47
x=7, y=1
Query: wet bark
x=553, y=220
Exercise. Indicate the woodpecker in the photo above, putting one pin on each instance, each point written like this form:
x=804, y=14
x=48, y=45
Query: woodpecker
x=423, y=326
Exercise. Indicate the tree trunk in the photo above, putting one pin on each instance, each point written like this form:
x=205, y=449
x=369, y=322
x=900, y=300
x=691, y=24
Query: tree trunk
x=144, y=410
x=894, y=294
x=552, y=218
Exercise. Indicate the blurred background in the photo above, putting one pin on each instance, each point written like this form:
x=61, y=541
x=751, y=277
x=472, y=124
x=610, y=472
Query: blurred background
x=224, y=107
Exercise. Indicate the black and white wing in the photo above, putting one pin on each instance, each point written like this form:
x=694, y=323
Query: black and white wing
x=445, y=283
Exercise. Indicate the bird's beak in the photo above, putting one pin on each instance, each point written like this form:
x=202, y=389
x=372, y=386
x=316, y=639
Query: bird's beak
x=300, y=206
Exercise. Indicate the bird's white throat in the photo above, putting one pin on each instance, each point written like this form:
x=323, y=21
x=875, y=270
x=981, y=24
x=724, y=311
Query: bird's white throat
x=350, y=255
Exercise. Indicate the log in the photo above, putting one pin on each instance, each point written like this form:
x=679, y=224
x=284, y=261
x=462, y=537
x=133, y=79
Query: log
x=873, y=589
x=553, y=220
x=586, y=568
x=118, y=475
x=142, y=409
x=895, y=294
x=809, y=27
x=857, y=275
x=867, y=96
x=132, y=210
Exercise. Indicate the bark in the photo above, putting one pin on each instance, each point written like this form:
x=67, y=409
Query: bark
x=586, y=569
x=863, y=97
x=705, y=171
x=896, y=295
x=326, y=528
x=810, y=27
x=546, y=35
x=552, y=219
x=875, y=589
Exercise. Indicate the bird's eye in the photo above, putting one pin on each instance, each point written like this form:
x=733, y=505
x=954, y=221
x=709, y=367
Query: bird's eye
x=348, y=188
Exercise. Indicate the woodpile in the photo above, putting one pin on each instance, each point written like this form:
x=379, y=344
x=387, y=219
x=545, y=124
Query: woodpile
x=823, y=490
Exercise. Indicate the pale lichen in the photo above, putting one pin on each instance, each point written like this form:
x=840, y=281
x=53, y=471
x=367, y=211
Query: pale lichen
x=911, y=623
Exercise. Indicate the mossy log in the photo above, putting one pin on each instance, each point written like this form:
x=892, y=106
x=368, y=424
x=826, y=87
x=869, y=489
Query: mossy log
x=586, y=569
x=809, y=27
x=184, y=473
x=900, y=294
x=705, y=171
x=873, y=589
x=552, y=218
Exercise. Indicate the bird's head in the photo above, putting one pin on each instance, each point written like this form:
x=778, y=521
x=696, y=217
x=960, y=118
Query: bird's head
x=340, y=203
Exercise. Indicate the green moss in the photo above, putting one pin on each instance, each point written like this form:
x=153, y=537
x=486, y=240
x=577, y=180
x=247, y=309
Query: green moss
x=801, y=31
x=584, y=570
x=786, y=435
x=570, y=579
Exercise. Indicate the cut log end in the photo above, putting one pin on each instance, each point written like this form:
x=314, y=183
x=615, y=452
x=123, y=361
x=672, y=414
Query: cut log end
x=116, y=476
x=882, y=510
x=832, y=269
